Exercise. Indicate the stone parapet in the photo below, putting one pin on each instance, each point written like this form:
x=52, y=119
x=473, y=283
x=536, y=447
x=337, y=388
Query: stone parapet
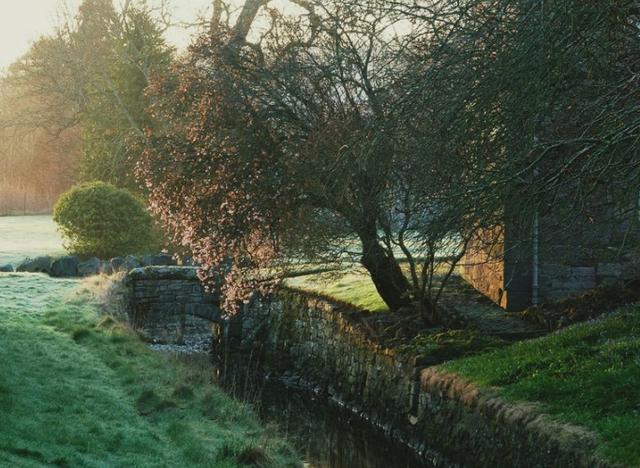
x=167, y=303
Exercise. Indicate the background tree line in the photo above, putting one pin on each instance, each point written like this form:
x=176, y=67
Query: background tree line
x=73, y=107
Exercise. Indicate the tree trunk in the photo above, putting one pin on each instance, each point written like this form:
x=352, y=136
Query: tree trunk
x=245, y=20
x=430, y=312
x=385, y=272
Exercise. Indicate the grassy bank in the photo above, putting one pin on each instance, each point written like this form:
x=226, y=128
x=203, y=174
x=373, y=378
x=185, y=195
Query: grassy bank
x=587, y=374
x=80, y=390
x=354, y=286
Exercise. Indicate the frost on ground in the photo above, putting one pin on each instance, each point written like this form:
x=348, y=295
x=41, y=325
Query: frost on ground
x=28, y=236
x=33, y=293
x=78, y=388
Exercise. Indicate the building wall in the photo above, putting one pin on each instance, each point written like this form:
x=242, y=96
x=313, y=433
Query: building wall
x=583, y=249
x=576, y=254
x=483, y=265
x=499, y=268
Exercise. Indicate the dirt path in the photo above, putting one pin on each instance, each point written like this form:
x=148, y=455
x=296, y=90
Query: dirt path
x=483, y=314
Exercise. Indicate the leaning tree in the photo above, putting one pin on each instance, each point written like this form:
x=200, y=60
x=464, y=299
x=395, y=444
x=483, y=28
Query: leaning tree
x=297, y=139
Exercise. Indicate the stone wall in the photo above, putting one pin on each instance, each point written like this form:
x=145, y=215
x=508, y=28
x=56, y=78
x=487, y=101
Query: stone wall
x=168, y=303
x=327, y=348
x=314, y=344
x=580, y=251
x=558, y=281
x=499, y=266
x=483, y=265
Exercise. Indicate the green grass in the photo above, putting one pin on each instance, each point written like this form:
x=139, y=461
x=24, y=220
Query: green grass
x=354, y=287
x=587, y=374
x=80, y=390
x=443, y=345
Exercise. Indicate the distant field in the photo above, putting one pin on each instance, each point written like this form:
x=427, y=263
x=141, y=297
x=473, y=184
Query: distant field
x=28, y=236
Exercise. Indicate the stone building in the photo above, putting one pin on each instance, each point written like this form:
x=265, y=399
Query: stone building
x=553, y=255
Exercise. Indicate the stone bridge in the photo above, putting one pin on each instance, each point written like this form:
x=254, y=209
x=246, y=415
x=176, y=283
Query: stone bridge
x=167, y=303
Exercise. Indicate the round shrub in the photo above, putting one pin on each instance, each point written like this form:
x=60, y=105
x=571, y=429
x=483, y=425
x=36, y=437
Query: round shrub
x=99, y=219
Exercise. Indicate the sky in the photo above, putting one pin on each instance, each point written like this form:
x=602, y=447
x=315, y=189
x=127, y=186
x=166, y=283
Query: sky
x=24, y=21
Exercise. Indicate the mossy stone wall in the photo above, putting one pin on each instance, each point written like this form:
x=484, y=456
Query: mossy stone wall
x=314, y=344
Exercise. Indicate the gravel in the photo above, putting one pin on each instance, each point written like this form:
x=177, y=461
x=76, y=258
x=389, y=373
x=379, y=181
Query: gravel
x=192, y=344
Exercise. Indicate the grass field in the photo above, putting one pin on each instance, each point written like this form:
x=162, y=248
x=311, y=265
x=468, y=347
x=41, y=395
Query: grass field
x=28, y=236
x=587, y=374
x=80, y=390
x=353, y=286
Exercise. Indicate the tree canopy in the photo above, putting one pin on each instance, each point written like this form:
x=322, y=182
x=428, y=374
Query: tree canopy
x=385, y=133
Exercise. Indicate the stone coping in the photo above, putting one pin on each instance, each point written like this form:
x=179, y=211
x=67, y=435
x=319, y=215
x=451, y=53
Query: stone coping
x=331, y=349
x=576, y=442
x=185, y=273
